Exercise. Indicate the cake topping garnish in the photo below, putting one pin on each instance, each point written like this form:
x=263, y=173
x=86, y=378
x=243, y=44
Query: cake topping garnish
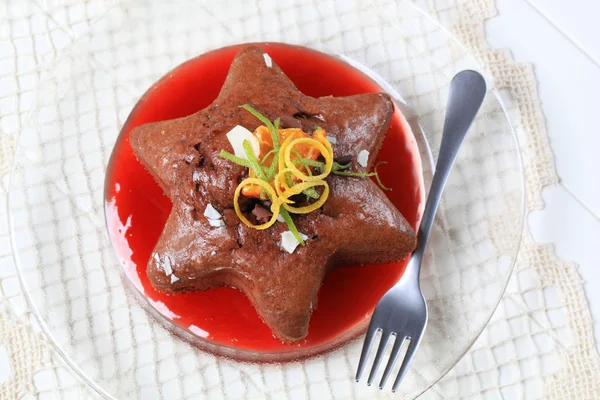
x=216, y=223
x=289, y=242
x=167, y=266
x=237, y=135
x=214, y=217
x=211, y=213
x=363, y=158
x=285, y=163
x=343, y=160
x=268, y=60
x=261, y=213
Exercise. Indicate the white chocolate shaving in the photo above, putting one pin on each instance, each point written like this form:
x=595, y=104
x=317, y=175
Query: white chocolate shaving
x=236, y=137
x=167, y=266
x=211, y=213
x=289, y=241
x=216, y=222
x=363, y=158
x=268, y=60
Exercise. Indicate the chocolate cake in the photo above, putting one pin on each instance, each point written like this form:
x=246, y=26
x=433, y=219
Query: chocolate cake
x=205, y=245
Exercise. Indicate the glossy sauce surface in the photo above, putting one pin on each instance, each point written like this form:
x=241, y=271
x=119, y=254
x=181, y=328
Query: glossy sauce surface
x=137, y=210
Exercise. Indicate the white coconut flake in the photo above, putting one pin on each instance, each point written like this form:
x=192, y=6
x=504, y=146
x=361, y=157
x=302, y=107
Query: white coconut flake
x=212, y=253
x=289, y=241
x=280, y=218
x=363, y=158
x=174, y=278
x=196, y=176
x=268, y=60
x=236, y=137
x=167, y=266
x=211, y=213
x=331, y=139
x=216, y=222
x=156, y=258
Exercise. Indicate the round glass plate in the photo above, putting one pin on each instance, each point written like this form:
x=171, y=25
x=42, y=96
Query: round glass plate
x=64, y=257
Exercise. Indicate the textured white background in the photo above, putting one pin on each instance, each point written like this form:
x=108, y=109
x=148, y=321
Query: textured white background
x=561, y=40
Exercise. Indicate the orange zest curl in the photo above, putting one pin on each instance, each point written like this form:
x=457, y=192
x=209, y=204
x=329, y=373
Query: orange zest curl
x=275, y=204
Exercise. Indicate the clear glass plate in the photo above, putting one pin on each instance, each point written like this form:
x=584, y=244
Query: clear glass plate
x=64, y=257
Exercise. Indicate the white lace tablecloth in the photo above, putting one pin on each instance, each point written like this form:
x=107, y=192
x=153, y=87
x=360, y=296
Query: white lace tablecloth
x=539, y=343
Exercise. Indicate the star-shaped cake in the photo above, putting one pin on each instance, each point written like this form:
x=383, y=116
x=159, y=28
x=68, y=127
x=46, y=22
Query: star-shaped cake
x=356, y=225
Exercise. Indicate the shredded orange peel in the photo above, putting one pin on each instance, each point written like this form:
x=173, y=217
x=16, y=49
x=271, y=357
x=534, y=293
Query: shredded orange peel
x=280, y=182
x=275, y=202
x=287, y=157
x=279, y=191
x=284, y=168
x=311, y=207
x=288, y=179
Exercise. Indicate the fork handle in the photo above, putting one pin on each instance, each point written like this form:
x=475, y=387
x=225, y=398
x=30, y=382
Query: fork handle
x=466, y=94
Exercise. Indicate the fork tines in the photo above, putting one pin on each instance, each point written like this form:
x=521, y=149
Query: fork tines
x=393, y=358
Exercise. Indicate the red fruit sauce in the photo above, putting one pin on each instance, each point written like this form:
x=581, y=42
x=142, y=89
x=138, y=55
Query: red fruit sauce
x=137, y=210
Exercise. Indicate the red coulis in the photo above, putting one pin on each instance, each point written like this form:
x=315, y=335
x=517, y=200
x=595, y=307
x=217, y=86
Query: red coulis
x=137, y=209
